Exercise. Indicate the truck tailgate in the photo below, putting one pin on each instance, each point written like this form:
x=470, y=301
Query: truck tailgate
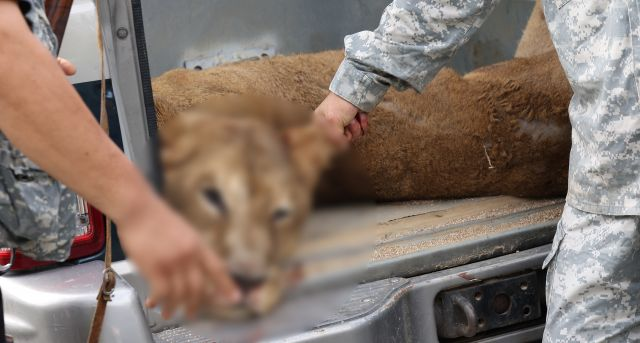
x=415, y=238
x=412, y=241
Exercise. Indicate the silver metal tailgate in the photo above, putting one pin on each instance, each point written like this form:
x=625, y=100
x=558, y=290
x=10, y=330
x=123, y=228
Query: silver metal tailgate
x=419, y=247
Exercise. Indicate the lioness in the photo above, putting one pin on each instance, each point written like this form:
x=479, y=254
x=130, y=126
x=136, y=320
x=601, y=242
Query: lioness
x=244, y=169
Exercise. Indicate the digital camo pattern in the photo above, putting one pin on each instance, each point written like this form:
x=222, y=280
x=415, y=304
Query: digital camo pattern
x=593, y=281
x=414, y=40
x=598, y=42
x=38, y=215
x=36, y=17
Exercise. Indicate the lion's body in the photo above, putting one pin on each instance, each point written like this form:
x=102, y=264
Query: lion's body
x=501, y=129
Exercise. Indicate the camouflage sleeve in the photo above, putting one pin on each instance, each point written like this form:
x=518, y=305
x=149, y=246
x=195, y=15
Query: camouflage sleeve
x=413, y=42
x=34, y=14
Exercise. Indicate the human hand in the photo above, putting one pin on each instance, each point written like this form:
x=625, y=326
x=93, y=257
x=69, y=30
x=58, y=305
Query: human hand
x=343, y=121
x=67, y=67
x=167, y=251
x=181, y=270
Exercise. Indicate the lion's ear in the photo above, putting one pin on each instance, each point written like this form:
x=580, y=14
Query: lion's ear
x=165, y=111
x=177, y=139
x=311, y=151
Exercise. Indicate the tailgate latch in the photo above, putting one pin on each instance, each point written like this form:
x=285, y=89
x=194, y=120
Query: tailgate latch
x=492, y=304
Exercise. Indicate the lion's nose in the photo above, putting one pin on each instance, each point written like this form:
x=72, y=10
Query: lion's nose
x=246, y=282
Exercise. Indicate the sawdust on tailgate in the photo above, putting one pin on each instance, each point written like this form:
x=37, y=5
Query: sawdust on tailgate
x=449, y=237
x=402, y=228
x=464, y=213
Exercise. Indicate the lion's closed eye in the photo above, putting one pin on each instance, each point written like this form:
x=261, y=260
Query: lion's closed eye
x=213, y=199
x=280, y=214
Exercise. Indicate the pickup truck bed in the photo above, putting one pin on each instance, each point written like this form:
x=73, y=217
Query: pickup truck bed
x=416, y=247
x=373, y=273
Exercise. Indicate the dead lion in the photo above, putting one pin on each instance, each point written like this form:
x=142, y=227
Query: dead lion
x=243, y=169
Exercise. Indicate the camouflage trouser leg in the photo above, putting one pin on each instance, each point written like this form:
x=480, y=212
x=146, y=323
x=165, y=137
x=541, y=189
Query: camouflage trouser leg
x=593, y=280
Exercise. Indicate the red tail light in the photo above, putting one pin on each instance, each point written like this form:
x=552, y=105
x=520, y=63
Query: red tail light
x=88, y=243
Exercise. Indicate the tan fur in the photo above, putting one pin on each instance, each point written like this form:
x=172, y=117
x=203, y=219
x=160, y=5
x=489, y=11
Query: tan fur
x=501, y=129
x=536, y=39
x=243, y=171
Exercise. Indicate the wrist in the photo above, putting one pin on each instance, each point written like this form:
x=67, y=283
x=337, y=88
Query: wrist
x=359, y=88
x=340, y=109
x=137, y=201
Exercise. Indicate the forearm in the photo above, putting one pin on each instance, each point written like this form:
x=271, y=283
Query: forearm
x=43, y=116
x=414, y=40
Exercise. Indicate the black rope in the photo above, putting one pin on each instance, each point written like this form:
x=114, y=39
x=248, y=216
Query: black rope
x=147, y=91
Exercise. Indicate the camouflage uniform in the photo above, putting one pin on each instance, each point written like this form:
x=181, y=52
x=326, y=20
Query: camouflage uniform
x=593, y=284
x=593, y=278
x=37, y=214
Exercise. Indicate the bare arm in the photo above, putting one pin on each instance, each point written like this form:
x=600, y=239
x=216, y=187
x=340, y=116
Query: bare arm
x=44, y=117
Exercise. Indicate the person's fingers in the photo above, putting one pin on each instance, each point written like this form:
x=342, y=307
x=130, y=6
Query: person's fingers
x=177, y=293
x=216, y=272
x=348, y=134
x=340, y=138
x=184, y=258
x=355, y=129
x=334, y=130
x=67, y=67
x=159, y=289
x=196, y=289
x=363, y=119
